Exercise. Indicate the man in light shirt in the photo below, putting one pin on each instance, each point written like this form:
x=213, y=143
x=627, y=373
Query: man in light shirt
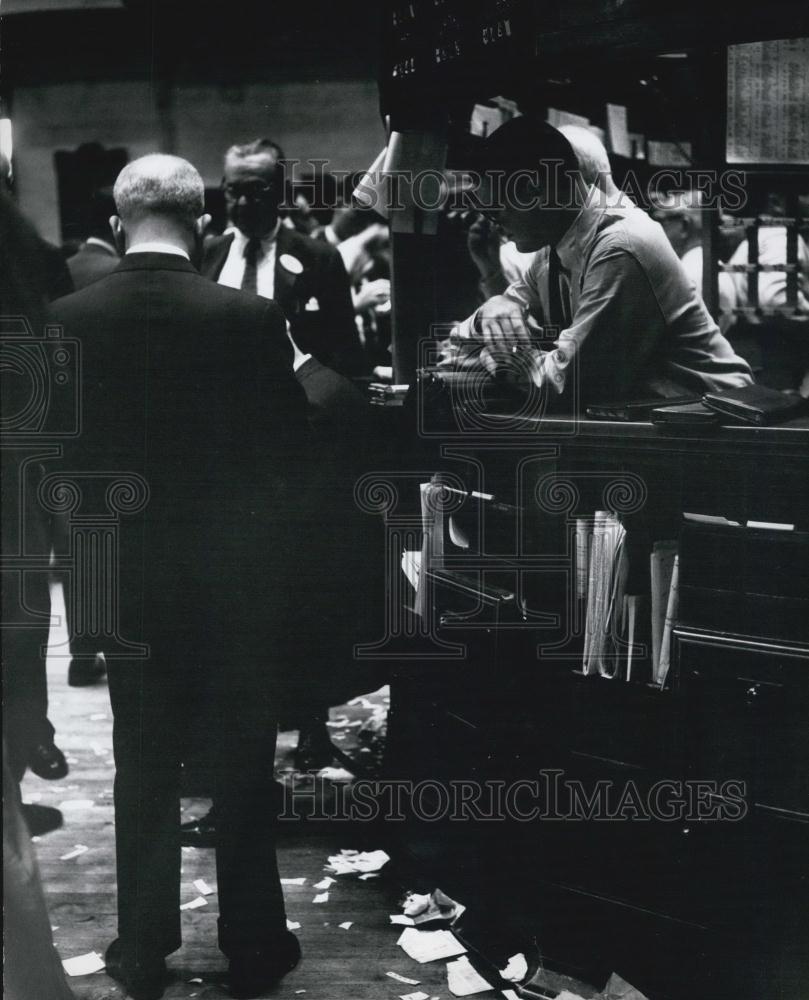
x=605, y=311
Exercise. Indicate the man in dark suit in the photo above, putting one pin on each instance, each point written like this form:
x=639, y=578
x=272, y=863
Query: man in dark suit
x=188, y=389
x=257, y=253
x=97, y=256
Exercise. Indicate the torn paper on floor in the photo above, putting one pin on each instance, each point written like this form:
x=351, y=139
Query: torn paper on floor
x=415, y=996
x=619, y=989
x=70, y=805
x=75, y=853
x=194, y=904
x=293, y=925
x=293, y=881
x=403, y=979
x=203, y=888
x=429, y=946
x=463, y=979
x=321, y=897
x=83, y=965
x=347, y=925
x=349, y=863
x=516, y=970
x=437, y=906
x=324, y=883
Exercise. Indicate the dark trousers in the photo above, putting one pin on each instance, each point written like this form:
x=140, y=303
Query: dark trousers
x=157, y=707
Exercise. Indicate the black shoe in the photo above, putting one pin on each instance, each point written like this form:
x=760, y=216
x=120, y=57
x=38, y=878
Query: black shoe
x=41, y=819
x=199, y=832
x=47, y=761
x=250, y=976
x=82, y=673
x=147, y=983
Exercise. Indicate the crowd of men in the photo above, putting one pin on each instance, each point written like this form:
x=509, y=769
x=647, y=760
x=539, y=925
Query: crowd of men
x=216, y=376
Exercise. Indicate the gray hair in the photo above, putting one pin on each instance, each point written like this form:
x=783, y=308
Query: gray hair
x=594, y=163
x=159, y=184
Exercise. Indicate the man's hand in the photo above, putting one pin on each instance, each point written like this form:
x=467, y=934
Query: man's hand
x=510, y=340
x=372, y=295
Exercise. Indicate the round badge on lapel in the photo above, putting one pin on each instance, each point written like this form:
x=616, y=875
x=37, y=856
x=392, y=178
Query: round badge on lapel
x=290, y=263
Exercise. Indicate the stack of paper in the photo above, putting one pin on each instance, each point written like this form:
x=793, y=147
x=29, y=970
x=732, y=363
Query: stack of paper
x=605, y=594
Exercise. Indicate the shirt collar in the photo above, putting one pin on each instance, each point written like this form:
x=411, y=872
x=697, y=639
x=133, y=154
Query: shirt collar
x=575, y=244
x=156, y=246
x=300, y=361
x=266, y=241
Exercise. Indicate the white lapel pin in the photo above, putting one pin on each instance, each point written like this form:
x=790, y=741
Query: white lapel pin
x=290, y=263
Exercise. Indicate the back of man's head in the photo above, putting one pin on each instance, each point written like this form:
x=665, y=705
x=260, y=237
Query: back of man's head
x=159, y=187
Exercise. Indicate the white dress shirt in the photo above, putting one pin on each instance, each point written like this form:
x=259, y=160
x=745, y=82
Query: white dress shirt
x=233, y=271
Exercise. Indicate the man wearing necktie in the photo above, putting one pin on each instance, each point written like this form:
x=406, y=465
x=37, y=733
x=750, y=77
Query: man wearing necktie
x=604, y=310
x=258, y=254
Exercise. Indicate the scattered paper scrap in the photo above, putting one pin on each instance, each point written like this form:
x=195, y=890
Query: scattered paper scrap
x=71, y=805
x=619, y=989
x=367, y=875
x=194, y=904
x=354, y=863
x=299, y=992
x=347, y=925
x=293, y=925
x=516, y=970
x=463, y=979
x=324, y=883
x=321, y=897
x=196, y=979
x=335, y=774
x=293, y=881
x=203, y=888
x=75, y=853
x=437, y=906
x=429, y=946
x=415, y=996
x=403, y=979
x=83, y=965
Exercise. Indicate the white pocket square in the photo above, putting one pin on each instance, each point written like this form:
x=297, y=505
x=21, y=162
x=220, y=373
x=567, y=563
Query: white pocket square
x=312, y=305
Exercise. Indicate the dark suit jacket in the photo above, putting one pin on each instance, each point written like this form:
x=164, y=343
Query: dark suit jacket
x=190, y=386
x=329, y=332
x=90, y=263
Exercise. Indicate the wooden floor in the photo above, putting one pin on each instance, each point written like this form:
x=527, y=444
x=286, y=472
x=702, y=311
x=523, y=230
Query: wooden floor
x=337, y=964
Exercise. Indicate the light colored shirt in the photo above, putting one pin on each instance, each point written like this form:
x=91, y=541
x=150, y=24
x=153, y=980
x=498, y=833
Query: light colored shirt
x=155, y=246
x=772, y=285
x=634, y=315
x=232, y=272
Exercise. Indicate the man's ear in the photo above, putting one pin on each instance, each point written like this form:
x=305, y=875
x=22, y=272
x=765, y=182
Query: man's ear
x=118, y=234
x=201, y=226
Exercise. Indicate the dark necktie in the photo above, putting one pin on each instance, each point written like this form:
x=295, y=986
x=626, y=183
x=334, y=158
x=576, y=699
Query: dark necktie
x=252, y=252
x=558, y=292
